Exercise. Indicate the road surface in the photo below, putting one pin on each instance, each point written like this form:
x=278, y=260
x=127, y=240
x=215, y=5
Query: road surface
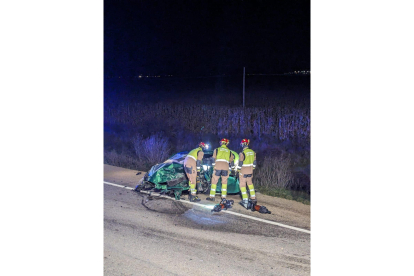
x=158, y=236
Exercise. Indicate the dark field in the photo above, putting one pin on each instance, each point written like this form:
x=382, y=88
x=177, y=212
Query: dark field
x=261, y=91
x=152, y=118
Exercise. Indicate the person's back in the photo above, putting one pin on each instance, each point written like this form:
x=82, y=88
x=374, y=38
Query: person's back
x=248, y=158
x=192, y=167
x=247, y=163
x=222, y=157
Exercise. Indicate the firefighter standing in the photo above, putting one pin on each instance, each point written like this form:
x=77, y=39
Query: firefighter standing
x=192, y=167
x=247, y=163
x=222, y=158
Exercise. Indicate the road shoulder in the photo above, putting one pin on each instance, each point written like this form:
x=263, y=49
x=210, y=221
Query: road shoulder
x=284, y=211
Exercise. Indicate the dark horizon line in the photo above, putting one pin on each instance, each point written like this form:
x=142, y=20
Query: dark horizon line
x=297, y=72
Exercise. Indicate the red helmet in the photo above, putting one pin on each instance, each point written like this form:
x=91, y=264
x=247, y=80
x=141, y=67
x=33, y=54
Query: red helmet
x=244, y=142
x=224, y=141
x=203, y=145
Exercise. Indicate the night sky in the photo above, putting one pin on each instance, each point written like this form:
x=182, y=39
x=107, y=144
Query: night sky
x=205, y=37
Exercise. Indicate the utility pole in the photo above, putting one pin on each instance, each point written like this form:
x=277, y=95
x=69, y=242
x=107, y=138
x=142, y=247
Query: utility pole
x=244, y=77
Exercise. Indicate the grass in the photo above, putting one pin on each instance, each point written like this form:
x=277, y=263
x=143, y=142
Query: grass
x=299, y=196
x=266, y=183
x=282, y=167
x=124, y=161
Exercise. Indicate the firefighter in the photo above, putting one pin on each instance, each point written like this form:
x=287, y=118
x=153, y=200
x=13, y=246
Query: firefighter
x=192, y=168
x=247, y=163
x=222, y=158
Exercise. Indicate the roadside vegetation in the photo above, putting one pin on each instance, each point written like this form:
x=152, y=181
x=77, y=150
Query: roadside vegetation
x=281, y=123
x=283, y=156
x=299, y=196
x=139, y=134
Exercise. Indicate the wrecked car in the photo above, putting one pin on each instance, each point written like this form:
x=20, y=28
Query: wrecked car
x=169, y=177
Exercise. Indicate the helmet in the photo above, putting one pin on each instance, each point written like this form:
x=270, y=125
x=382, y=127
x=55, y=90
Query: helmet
x=203, y=145
x=224, y=141
x=244, y=142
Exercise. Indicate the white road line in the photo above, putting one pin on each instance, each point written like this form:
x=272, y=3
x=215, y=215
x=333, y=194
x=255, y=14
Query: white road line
x=117, y=185
x=229, y=212
x=269, y=221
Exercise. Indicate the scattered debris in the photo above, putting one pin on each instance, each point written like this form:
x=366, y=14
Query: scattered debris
x=223, y=205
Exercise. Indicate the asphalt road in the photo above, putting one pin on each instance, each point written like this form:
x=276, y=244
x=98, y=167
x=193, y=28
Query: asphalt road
x=150, y=236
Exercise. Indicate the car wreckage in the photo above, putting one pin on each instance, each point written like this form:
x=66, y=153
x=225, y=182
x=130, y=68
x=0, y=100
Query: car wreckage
x=169, y=177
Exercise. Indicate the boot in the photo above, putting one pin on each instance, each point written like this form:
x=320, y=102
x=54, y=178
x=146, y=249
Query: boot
x=244, y=203
x=193, y=198
x=211, y=198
